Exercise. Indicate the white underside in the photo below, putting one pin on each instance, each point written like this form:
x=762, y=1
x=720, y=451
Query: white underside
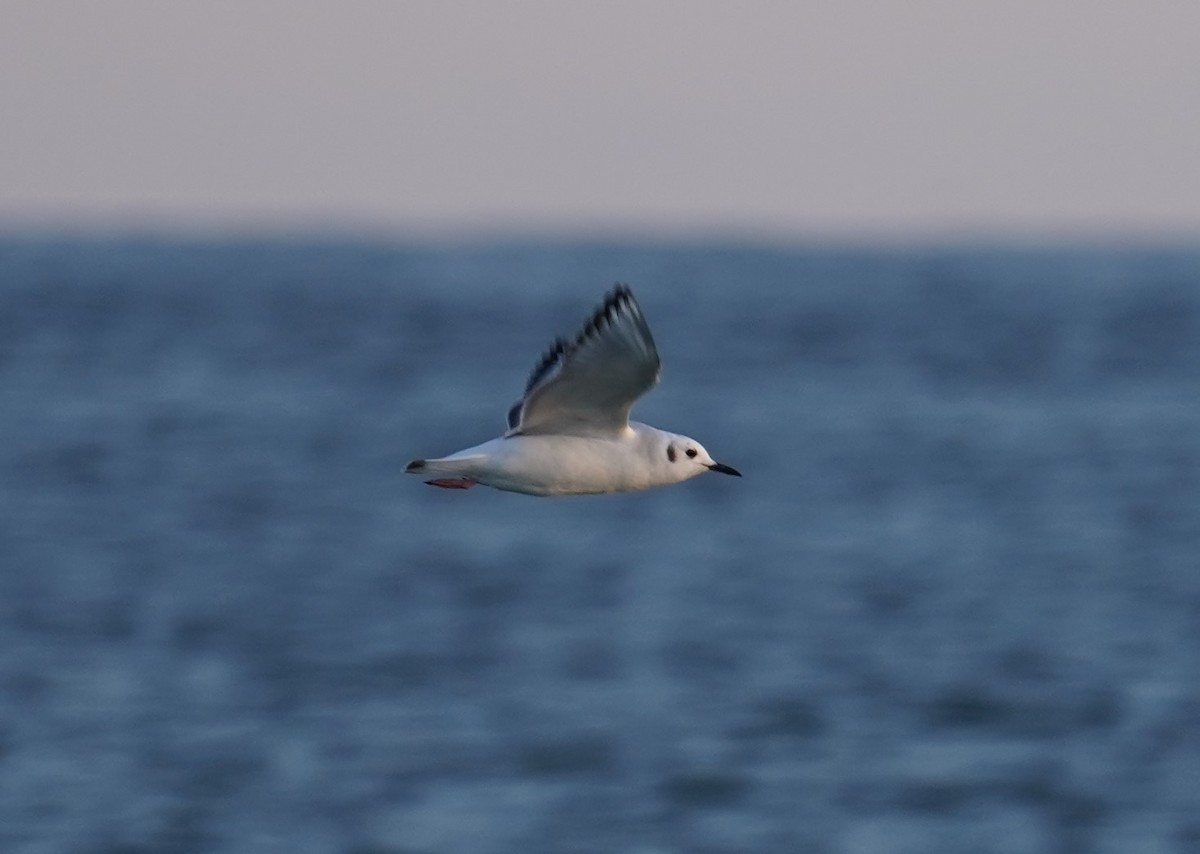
x=570, y=465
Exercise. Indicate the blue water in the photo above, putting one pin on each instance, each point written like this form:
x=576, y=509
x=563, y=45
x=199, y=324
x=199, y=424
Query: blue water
x=953, y=605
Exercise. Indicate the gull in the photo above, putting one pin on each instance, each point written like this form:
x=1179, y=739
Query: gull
x=570, y=434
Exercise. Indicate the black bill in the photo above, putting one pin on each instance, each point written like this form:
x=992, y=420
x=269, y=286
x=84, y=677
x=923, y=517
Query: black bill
x=724, y=469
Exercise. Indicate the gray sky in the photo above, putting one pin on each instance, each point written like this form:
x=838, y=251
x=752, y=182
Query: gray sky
x=843, y=118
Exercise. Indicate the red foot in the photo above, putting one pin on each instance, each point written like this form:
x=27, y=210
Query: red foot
x=453, y=482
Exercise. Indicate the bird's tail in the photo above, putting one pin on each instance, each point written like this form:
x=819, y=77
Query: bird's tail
x=452, y=466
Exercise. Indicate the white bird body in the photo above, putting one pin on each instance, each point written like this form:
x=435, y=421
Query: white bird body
x=570, y=434
x=570, y=465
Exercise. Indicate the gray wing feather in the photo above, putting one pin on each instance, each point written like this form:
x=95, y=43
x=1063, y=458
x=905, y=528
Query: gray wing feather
x=587, y=386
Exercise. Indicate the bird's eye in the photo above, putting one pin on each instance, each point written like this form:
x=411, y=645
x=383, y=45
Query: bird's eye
x=671, y=453
x=691, y=452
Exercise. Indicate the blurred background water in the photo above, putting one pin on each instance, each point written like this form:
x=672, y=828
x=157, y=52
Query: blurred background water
x=953, y=605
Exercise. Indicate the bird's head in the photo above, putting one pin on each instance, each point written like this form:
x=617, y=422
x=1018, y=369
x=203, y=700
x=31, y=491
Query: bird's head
x=691, y=458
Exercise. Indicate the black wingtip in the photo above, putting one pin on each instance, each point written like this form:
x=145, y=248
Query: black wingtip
x=618, y=299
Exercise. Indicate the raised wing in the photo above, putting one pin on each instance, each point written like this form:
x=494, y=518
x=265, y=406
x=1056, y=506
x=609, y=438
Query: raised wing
x=586, y=387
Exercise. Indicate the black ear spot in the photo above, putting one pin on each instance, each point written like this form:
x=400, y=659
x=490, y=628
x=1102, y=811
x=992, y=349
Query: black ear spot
x=671, y=453
x=691, y=452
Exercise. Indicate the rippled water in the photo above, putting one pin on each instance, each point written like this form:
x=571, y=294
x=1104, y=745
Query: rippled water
x=953, y=605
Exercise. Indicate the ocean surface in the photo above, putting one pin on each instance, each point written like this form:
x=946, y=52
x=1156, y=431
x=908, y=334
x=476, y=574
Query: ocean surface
x=952, y=606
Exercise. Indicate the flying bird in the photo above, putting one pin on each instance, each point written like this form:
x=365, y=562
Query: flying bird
x=570, y=434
